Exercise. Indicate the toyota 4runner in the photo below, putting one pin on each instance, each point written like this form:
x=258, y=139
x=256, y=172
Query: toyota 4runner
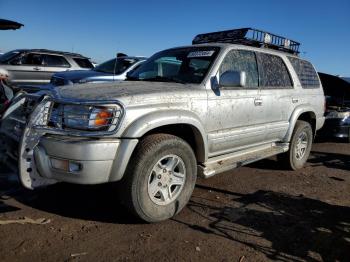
x=229, y=99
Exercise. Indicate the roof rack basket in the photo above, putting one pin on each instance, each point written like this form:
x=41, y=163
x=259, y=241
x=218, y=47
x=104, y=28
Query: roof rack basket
x=250, y=37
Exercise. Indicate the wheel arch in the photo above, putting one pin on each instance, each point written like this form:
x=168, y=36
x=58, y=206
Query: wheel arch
x=305, y=113
x=181, y=123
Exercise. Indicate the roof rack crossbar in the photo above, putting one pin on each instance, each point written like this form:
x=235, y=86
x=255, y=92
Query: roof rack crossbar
x=250, y=37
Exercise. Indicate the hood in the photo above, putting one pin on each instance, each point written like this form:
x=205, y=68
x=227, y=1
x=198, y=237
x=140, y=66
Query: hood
x=124, y=90
x=76, y=75
x=336, y=90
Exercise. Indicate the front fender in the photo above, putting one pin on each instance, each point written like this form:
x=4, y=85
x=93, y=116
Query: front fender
x=152, y=120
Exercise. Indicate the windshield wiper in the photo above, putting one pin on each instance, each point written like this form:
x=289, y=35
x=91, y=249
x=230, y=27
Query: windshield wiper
x=165, y=79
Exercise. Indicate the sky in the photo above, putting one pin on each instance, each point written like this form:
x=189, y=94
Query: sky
x=100, y=29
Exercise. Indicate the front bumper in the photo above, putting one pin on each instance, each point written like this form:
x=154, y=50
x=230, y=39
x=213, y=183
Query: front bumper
x=335, y=128
x=37, y=150
x=94, y=159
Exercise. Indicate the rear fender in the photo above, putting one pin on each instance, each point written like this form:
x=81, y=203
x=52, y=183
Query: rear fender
x=298, y=111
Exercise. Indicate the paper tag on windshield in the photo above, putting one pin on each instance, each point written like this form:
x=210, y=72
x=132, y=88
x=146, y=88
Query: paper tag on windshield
x=200, y=53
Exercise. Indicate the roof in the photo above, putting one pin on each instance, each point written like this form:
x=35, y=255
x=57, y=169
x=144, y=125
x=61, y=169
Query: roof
x=239, y=46
x=47, y=51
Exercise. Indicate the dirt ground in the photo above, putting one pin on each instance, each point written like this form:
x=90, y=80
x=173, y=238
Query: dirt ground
x=255, y=213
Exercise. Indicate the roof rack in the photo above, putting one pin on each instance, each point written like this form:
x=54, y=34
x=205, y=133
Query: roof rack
x=251, y=37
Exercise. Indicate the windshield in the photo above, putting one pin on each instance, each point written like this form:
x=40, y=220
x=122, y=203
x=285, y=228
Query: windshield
x=117, y=64
x=7, y=56
x=183, y=65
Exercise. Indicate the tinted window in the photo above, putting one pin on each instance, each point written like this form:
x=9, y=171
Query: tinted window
x=31, y=59
x=83, y=62
x=56, y=61
x=241, y=60
x=306, y=73
x=8, y=56
x=117, y=65
x=273, y=72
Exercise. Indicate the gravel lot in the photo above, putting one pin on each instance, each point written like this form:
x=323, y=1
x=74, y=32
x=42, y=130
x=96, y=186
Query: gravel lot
x=255, y=213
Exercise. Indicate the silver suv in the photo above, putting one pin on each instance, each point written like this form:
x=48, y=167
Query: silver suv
x=227, y=100
x=36, y=66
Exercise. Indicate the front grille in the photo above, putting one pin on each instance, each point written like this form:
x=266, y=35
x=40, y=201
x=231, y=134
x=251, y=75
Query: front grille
x=13, y=125
x=12, y=128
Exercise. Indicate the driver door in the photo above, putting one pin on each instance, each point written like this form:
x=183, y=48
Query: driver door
x=235, y=116
x=27, y=69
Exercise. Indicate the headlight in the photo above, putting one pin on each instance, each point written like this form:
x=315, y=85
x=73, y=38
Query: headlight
x=90, y=117
x=337, y=114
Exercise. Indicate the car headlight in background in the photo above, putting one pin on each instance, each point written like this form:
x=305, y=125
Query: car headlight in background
x=344, y=116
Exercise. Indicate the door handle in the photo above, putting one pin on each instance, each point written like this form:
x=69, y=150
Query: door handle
x=295, y=100
x=258, y=102
x=36, y=68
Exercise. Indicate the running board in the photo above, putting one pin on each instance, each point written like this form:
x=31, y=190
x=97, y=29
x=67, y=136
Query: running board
x=227, y=162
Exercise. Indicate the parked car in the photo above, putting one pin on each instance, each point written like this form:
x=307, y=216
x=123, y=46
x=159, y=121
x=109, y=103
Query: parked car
x=337, y=92
x=111, y=70
x=36, y=66
x=229, y=99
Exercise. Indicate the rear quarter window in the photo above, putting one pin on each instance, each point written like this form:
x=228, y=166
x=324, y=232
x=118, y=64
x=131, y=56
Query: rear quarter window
x=306, y=73
x=273, y=72
x=83, y=62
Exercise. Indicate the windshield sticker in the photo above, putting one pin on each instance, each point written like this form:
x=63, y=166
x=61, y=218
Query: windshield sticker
x=201, y=54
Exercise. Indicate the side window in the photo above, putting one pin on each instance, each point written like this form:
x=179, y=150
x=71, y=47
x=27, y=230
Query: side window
x=56, y=61
x=306, y=73
x=32, y=59
x=273, y=72
x=241, y=60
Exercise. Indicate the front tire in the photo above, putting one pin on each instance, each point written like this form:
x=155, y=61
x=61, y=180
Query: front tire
x=300, y=146
x=160, y=177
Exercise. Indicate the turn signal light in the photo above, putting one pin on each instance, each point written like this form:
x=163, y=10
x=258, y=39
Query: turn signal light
x=103, y=118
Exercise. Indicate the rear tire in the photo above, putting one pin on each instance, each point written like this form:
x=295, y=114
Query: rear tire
x=300, y=146
x=160, y=177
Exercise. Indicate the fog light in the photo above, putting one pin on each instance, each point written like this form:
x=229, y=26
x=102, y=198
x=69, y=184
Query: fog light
x=65, y=165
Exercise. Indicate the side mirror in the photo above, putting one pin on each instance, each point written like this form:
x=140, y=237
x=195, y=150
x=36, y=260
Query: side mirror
x=233, y=79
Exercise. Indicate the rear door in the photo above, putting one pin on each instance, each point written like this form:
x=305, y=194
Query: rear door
x=54, y=64
x=277, y=95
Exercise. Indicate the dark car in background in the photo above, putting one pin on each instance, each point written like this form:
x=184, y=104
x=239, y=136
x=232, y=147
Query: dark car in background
x=337, y=92
x=115, y=69
x=36, y=66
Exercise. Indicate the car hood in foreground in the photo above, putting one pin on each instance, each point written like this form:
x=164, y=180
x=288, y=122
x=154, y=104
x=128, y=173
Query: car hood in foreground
x=126, y=90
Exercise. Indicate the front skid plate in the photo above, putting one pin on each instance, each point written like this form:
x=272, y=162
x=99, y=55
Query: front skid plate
x=28, y=173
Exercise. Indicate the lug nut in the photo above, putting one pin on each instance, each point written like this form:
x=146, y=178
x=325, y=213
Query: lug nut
x=164, y=170
x=159, y=184
x=159, y=176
